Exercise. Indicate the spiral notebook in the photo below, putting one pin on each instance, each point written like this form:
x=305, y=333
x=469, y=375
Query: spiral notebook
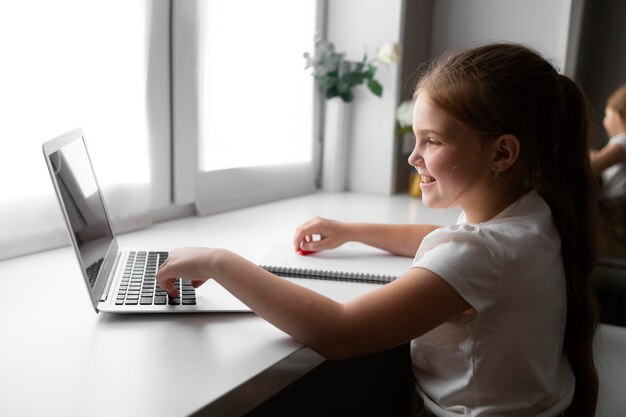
x=342, y=273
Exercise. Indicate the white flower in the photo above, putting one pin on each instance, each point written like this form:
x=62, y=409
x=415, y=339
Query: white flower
x=389, y=53
x=404, y=114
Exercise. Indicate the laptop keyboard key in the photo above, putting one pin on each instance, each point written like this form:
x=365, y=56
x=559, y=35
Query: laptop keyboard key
x=138, y=284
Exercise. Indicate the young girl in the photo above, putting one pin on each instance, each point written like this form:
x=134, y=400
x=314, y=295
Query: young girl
x=609, y=163
x=498, y=308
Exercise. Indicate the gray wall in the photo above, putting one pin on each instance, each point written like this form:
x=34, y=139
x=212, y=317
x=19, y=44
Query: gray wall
x=356, y=27
x=541, y=24
x=601, y=65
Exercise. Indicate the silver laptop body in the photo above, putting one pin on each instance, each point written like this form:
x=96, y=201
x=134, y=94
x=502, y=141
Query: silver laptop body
x=102, y=262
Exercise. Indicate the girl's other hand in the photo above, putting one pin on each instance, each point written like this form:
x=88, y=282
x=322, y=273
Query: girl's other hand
x=319, y=234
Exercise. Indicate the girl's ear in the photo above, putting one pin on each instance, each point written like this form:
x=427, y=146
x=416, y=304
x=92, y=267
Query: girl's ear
x=506, y=150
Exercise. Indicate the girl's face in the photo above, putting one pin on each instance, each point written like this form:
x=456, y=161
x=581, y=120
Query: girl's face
x=613, y=122
x=453, y=161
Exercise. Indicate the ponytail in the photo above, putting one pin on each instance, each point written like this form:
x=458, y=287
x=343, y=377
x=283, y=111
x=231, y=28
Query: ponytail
x=567, y=185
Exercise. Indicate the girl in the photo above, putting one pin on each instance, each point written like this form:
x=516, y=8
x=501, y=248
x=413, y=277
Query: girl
x=498, y=308
x=609, y=163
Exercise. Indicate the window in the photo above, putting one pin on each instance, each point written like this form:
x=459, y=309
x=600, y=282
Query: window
x=257, y=99
x=250, y=130
x=70, y=64
x=171, y=115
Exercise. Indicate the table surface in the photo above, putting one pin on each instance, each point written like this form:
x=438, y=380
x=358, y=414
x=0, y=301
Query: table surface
x=59, y=357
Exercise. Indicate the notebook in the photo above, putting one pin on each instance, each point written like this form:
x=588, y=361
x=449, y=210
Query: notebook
x=118, y=280
x=342, y=273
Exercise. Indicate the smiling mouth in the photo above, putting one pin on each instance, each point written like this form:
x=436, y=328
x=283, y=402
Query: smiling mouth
x=427, y=179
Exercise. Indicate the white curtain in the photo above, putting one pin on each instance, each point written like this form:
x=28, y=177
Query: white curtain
x=72, y=64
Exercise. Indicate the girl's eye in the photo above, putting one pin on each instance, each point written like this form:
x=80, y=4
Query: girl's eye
x=427, y=142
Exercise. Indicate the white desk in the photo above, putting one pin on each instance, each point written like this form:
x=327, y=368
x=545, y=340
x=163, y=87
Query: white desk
x=61, y=358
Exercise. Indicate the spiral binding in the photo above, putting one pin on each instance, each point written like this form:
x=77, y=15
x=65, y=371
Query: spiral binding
x=290, y=272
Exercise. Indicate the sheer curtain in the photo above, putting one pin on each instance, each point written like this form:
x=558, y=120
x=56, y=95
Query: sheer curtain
x=69, y=64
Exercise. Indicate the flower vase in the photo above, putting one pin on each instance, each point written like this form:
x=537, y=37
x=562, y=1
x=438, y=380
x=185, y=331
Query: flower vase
x=336, y=145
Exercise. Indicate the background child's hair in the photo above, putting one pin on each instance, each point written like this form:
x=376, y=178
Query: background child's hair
x=508, y=88
x=617, y=101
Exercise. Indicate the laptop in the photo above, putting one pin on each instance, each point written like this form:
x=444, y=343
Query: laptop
x=118, y=280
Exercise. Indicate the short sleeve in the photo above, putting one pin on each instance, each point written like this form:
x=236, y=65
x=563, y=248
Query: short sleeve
x=466, y=257
x=619, y=140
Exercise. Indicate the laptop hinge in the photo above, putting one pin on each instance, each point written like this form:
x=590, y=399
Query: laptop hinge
x=110, y=278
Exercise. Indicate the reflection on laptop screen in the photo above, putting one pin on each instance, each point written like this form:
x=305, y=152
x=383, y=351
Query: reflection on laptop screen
x=84, y=206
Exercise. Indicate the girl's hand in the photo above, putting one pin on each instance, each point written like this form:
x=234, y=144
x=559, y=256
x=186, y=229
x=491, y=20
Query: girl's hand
x=193, y=264
x=319, y=234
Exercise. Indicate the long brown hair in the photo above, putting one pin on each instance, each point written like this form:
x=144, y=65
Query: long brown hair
x=507, y=88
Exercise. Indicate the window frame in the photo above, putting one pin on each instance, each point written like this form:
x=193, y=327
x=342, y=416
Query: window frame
x=217, y=191
x=159, y=104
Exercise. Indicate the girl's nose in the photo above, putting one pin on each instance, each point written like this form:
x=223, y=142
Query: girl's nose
x=415, y=159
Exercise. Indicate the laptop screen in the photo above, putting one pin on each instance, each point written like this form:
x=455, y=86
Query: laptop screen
x=83, y=204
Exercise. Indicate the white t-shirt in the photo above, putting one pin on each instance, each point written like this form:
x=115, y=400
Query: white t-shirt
x=506, y=357
x=614, y=177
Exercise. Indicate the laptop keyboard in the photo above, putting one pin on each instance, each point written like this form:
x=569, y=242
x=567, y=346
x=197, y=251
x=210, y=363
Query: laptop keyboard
x=138, y=285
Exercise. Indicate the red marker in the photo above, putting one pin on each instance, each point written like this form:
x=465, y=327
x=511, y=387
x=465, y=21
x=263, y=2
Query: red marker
x=303, y=252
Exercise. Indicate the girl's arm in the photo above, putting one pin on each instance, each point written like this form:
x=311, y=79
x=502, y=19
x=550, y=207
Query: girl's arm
x=609, y=155
x=399, y=239
x=386, y=317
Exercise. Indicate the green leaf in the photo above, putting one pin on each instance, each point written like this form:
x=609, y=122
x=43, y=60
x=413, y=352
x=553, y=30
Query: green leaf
x=353, y=78
x=369, y=74
x=332, y=92
x=347, y=96
x=327, y=82
x=342, y=86
x=375, y=87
